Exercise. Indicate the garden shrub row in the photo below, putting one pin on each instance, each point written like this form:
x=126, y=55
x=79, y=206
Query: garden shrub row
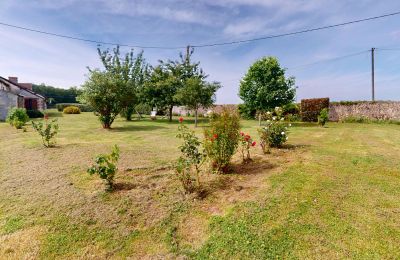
x=72, y=110
x=311, y=108
x=82, y=107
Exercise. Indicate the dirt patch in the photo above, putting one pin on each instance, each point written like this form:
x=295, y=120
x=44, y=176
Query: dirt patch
x=23, y=244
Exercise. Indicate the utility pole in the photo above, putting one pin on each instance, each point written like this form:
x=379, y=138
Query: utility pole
x=187, y=53
x=373, y=72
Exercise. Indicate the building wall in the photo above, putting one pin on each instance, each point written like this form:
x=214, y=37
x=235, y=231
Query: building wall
x=389, y=110
x=7, y=101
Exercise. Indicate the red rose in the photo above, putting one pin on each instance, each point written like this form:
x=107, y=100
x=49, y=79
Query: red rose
x=215, y=136
x=180, y=119
x=241, y=133
x=253, y=143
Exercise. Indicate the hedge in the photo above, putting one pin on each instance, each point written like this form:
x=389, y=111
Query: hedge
x=82, y=107
x=311, y=108
x=34, y=113
x=72, y=110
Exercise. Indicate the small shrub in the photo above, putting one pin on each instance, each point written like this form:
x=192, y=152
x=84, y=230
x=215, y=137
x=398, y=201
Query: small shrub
x=17, y=117
x=323, y=117
x=191, y=159
x=105, y=166
x=47, y=131
x=222, y=138
x=275, y=133
x=291, y=109
x=71, y=110
x=83, y=107
x=246, y=112
x=311, y=108
x=34, y=113
x=245, y=143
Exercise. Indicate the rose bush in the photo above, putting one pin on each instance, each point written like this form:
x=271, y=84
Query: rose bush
x=246, y=142
x=275, y=133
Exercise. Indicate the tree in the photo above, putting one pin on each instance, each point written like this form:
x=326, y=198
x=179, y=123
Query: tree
x=115, y=88
x=265, y=86
x=197, y=93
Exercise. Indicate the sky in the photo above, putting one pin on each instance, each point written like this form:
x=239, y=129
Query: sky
x=311, y=57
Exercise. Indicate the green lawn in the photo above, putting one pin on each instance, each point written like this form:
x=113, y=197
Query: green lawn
x=332, y=193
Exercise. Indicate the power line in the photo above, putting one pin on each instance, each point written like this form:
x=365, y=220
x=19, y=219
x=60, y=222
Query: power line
x=200, y=45
x=298, y=32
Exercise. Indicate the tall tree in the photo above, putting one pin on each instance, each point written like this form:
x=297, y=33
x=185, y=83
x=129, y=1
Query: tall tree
x=197, y=93
x=115, y=88
x=265, y=86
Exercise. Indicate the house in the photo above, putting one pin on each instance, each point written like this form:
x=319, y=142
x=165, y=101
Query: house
x=14, y=94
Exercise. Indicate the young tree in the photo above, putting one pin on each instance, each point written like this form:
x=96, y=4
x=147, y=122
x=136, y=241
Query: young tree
x=115, y=88
x=197, y=93
x=265, y=86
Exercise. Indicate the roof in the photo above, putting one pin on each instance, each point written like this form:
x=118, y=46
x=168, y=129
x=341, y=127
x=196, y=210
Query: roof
x=24, y=92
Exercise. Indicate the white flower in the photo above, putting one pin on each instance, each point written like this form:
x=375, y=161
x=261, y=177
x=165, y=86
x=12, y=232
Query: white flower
x=268, y=113
x=290, y=124
x=274, y=118
x=282, y=119
x=287, y=138
x=268, y=121
x=283, y=133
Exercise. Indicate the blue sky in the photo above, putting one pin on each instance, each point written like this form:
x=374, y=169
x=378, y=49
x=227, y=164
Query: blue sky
x=60, y=62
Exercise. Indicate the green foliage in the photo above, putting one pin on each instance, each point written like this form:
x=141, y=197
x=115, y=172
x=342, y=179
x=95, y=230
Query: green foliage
x=246, y=112
x=34, y=113
x=246, y=142
x=311, y=108
x=105, y=166
x=275, y=133
x=191, y=159
x=115, y=88
x=83, y=107
x=56, y=95
x=323, y=117
x=291, y=109
x=366, y=120
x=222, y=138
x=197, y=93
x=71, y=110
x=17, y=117
x=47, y=130
x=265, y=86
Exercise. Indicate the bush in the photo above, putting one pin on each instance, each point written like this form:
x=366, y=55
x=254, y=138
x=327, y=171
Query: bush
x=190, y=161
x=71, y=110
x=17, y=117
x=246, y=112
x=47, y=131
x=35, y=113
x=311, y=108
x=82, y=107
x=291, y=109
x=323, y=117
x=222, y=138
x=245, y=143
x=105, y=166
x=275, y=133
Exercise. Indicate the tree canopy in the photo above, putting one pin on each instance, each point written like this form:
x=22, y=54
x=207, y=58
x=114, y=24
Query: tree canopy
x=265, y=86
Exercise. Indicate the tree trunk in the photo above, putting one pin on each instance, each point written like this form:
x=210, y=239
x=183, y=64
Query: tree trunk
x=195, y=118
x=170, y=113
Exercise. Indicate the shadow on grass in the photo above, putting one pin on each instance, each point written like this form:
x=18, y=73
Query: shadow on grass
x=133, y=128
x=124, y=186
x=294, y=146
x=54, y=114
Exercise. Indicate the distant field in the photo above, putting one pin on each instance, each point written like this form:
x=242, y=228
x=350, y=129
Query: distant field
x=332, y=193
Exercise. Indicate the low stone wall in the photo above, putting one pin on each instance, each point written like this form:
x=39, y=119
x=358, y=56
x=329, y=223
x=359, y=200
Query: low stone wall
x=372, y=110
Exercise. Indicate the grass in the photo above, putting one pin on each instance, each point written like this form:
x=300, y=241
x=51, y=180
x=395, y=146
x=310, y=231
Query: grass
x=332, y=193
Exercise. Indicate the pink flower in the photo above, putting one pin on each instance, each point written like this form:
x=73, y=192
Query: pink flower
x=180, y=119
x=241, y=133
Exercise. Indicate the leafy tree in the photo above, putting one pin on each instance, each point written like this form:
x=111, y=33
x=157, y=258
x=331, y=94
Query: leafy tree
x=197, y=93
x=265, y=86
x=56, y=95
x=115, y=88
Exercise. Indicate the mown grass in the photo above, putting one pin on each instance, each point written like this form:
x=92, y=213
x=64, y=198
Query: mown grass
x=333, y=193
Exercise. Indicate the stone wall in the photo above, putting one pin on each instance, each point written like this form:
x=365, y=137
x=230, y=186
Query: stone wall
x=373, y=110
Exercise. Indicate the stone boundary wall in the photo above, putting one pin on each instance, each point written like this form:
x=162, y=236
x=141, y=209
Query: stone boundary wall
x=387, y=110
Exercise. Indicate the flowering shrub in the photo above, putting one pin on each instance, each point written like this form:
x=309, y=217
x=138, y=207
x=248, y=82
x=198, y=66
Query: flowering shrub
x=275, y=133
x=323, y=117
x=222, y=138
x=47, y=131
x=17, y=117
x=245, y=143
x=72, y=110
x=190, y=161
x=105, y=166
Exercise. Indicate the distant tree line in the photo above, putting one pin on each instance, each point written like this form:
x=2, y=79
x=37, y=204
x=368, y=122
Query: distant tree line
x=56, y=95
